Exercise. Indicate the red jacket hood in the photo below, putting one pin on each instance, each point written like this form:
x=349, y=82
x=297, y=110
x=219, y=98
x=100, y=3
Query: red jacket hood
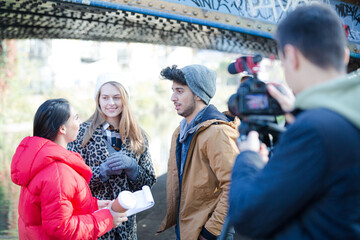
x=35, y=153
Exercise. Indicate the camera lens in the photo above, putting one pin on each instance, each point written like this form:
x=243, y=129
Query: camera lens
x=233, y=105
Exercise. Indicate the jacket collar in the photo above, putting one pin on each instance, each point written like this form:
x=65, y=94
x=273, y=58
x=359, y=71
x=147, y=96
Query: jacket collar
x=35, y=153
x=341, y=95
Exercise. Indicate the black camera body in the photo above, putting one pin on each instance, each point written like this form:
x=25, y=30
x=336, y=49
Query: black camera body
x=253, y=104
x=252, y=98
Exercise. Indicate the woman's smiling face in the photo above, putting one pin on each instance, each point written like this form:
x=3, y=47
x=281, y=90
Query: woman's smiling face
x=110, y=102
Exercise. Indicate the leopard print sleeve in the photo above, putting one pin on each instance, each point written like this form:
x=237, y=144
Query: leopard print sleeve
x=96, y=157
x=147, y=174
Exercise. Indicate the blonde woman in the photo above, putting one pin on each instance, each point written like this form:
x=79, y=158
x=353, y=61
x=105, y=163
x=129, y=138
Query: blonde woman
x=116, y=149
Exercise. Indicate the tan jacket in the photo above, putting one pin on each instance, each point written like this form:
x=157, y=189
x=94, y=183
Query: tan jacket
x=206, y=179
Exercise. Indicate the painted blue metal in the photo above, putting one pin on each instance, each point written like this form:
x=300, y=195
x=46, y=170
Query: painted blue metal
x=273, y=11
x=349, y=13
x=172, y=16
x=355, y=55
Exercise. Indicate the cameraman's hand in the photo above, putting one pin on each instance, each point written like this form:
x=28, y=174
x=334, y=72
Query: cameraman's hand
x=264, y=152
x=252, y=143
x=286, y=99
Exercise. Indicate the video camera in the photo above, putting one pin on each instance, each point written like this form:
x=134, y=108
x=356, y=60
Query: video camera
x=253, y=104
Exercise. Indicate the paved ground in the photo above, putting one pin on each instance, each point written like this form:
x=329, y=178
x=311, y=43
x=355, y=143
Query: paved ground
x=149, y=220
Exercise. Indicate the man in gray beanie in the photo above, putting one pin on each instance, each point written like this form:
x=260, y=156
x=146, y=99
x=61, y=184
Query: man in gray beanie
x=202, y=153
x=201, y=81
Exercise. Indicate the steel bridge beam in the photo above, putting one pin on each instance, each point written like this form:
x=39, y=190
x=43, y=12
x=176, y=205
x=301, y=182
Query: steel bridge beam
x=238, y=26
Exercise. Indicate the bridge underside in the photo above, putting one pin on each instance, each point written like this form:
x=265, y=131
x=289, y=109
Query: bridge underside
x=41, y=19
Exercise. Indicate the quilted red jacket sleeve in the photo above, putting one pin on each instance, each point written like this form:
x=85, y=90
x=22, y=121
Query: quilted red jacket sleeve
x=64, y=200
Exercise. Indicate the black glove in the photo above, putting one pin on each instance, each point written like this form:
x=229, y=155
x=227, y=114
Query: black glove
x=106, y=171
x=119, y=162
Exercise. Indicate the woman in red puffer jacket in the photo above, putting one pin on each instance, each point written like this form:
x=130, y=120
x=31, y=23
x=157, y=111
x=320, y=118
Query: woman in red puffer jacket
x=55, y=199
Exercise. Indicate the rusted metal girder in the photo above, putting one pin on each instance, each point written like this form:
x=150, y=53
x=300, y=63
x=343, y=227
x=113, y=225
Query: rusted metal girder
x=238, y=26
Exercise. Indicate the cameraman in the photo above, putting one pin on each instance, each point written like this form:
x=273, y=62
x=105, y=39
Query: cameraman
x=310, y=187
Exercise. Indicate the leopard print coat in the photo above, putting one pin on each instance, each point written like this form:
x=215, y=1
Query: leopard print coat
x=95, y=153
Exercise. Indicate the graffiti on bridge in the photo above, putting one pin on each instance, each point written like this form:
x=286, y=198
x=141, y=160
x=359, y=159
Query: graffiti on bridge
x=352, y=14
x=275, y=10
x=345, y=10
x=271, y=10
x=213, y=4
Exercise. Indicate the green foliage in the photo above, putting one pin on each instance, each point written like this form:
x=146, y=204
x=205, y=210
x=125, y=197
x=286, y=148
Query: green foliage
x=4, y=203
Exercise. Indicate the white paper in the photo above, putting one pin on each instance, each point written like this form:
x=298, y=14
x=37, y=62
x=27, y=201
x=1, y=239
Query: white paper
x=144, y=200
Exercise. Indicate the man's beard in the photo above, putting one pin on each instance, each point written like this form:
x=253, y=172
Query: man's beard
x=189, y=110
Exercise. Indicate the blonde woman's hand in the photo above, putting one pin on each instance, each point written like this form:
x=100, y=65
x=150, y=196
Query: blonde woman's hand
x=121, y=162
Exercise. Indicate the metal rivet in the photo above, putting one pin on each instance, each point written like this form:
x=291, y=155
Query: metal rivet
x=206, y=15
x=185, y=10
x=174, y=9
x=138, y=1
x=150, y=4
x=217, y=17
x=195, y=13
x=238, y=21
x=227, y=19
x=249, y=24
x=162, y=6
x=258, y=26
x=355, y=49
x=269, y=29
x=126, y=1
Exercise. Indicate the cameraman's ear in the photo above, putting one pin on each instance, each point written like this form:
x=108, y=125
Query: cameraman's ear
x=346, y=56
x=291, y=54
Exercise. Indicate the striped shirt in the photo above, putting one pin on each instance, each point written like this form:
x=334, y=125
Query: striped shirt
x=112, y=135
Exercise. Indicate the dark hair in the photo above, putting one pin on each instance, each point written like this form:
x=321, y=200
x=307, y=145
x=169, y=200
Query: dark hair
x=173, y=74
x=317, y=32
x=49, y=117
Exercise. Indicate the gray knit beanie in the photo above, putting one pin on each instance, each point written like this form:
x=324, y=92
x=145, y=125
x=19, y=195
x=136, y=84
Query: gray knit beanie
x=201, y=81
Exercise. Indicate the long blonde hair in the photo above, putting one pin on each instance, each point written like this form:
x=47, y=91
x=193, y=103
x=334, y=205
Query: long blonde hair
x=128, y=126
